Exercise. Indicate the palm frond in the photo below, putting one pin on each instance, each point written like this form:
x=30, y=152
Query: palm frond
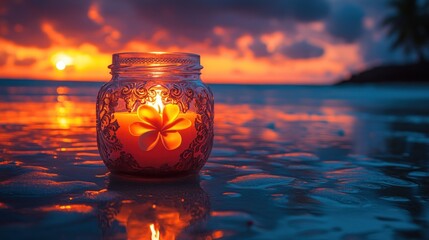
x=408, y=25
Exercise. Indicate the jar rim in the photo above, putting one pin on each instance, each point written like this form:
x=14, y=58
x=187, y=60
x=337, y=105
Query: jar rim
x=155, y=54
x=154, y=59
x=177, y=65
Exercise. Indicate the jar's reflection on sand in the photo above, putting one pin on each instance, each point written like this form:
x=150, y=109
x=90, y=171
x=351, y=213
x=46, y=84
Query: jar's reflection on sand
x=153, y=209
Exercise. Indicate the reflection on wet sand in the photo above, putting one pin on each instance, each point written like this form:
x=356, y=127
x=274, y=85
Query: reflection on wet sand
x=154, y=210
x=55, y=122
x=78, y=208
x=253, y=127
x=64, y=122
x=287, y=163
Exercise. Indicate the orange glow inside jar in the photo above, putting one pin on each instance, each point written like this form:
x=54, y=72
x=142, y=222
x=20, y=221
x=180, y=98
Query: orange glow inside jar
x=155, y=117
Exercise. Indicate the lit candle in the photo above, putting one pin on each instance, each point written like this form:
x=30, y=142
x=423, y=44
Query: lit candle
x=155, y=117
x=153, y=139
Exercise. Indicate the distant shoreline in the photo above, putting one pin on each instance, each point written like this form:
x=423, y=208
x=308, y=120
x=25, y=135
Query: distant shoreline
x=388, y=74
x=38, y=82
x=406, y=74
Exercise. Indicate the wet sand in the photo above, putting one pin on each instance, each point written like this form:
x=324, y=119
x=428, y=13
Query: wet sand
x=288, y=163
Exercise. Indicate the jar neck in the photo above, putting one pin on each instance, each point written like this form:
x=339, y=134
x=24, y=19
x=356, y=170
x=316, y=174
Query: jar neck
x=155, y=65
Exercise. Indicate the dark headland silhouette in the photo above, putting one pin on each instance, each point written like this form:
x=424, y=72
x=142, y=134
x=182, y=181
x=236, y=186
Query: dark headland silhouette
x=408, y=25
x=409, y=73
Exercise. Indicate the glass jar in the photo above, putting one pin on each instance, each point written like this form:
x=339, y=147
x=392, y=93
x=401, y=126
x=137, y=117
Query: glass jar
x=155, y=117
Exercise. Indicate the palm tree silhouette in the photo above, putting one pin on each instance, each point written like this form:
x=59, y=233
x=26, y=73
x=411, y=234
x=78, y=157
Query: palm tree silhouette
x=409, y=26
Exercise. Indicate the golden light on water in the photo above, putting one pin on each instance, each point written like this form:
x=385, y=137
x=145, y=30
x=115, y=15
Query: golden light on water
x=78, y=208
x=154, y=231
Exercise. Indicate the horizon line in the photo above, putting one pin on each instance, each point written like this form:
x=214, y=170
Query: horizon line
x=9, y=80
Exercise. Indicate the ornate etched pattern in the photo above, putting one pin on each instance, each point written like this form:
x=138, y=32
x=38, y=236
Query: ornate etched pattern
x=107, y=141
x=132, y=93
x=199, y=150
x=183, y=93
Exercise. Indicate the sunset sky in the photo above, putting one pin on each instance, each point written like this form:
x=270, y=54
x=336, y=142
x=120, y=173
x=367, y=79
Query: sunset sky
x=240, y=41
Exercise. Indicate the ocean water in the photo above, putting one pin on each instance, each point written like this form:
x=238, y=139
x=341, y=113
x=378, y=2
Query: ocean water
x=289, y=162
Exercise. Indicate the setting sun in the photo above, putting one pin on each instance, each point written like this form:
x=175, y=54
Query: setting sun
x=60, y=65
x=61, y=61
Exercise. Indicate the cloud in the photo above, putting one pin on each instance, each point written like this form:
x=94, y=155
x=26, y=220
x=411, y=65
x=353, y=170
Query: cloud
x=310, y=10
x=111, y=24
x=23, y=21
x=376, y=51
x=185, y=23
x=25, y=62
x=302, y=50
x=300, y=10
x=346, y=22
x=3, y=58
x=259, y=49
x=194, y=25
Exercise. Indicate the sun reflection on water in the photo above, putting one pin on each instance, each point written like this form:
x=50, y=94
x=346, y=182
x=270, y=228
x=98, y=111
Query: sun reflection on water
x=290, y=157
x=243, y=125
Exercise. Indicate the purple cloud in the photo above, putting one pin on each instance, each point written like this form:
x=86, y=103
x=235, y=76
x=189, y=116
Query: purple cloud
x=346, y=22
x=259, y=49
x=185, y=24
x=302, y=50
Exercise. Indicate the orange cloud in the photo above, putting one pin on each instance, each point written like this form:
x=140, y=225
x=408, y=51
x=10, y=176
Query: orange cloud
x=280, y=42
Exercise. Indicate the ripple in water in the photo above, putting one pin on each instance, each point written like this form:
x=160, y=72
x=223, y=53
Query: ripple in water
x=295, y=156
x=223, y=152
x=335, y=198
x=259, y=181
x=370, y=178
x=232, y=194
x=36, y=183
x=231, y=220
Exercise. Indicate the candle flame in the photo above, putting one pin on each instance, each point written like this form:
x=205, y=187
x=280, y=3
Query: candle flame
x=157, y=104
x=155, y=232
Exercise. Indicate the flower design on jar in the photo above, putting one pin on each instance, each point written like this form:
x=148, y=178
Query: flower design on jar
x=155, y=127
